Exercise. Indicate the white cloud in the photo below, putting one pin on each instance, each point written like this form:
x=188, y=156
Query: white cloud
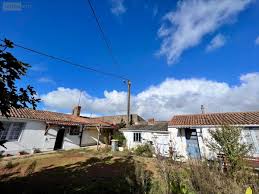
x=191, y=21
x=118, y=7
x=172, y=96
x=257, y=40
x=218, y=41
x=46, y=80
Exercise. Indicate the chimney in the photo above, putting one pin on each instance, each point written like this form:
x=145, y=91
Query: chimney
x=202, y=109
x=76, y=111
x=151, y=121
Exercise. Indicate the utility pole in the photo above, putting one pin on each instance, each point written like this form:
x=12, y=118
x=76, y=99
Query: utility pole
x=128, y=108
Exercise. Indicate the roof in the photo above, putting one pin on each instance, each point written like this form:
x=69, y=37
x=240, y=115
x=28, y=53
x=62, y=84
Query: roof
x=161, y=126
x=115, y=119
x=54, y=117
x=228, y=118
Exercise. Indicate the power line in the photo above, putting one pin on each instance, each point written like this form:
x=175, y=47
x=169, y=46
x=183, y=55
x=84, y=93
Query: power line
x=105, y=38
x=69, y=62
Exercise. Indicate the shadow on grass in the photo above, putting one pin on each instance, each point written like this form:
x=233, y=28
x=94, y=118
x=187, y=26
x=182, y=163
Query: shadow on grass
x=95, y=175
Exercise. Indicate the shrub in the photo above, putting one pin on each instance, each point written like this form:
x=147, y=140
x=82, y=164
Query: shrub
x=120, y=137
x=227, y=140
x=144, y=150
x=36, y=150
x=173, y=179
x=23, y=153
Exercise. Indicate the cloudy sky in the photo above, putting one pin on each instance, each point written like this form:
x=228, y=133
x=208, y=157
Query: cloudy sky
x=179, y=55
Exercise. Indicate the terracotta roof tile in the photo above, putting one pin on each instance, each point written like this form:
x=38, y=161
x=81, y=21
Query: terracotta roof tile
x=54, y=117
x=229, y=118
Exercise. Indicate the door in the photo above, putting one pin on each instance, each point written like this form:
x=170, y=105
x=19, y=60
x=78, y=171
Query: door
x=59, y=139
x=193, y=150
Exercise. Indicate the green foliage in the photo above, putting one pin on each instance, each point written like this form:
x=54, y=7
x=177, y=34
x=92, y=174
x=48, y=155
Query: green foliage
x=227, y=141
x=175, y=180
x=144, y=150
x=119, y=136
x=11, y=70
x=207, y=178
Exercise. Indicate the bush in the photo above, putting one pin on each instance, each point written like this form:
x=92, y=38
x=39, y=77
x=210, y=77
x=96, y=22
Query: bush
x=23, y=153
x=144, y=150
x=227, y=141
x=173, y=180
x=119, y=136
x=36, y=150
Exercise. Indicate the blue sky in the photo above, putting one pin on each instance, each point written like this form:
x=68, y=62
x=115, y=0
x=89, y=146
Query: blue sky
x=178, y=55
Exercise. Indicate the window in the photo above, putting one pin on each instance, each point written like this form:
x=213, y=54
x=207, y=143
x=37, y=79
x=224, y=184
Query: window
x=74, y=131
x=137, y=137
x=12, y=131
x=252, y=137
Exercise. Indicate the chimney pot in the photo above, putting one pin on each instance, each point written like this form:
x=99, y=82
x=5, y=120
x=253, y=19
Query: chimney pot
x=76, y=111
x=202, y=109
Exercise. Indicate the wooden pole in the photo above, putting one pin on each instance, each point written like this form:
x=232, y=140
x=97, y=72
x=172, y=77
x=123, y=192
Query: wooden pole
x=98, y=137
x=128, y=108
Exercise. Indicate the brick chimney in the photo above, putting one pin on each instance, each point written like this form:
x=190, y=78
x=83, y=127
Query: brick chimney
x=76, y=111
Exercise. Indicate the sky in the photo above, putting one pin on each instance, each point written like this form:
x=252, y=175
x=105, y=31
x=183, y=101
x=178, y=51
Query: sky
x=179, y=55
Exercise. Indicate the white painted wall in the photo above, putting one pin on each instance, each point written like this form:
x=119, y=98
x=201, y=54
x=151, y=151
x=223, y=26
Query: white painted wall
x=160, y=140
x=177, y=137
x=33, y=136
x=71, y=141
x=89, y=137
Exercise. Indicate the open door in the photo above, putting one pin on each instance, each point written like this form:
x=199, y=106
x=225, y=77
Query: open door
x=59, y=139
x=193, y=149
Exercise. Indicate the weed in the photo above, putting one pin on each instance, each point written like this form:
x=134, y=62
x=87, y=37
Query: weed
x=10, y=164
x=144, y=150
x=31, y=168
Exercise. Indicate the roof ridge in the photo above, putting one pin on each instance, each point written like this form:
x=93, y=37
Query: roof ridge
x=215, y=113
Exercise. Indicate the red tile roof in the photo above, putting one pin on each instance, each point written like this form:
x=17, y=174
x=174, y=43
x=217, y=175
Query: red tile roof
x=229, y=118
x=54, y=117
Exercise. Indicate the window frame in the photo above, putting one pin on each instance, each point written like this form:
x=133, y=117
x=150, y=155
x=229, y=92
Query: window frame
x=137, y=137
x=249, y=133
x=10, y=130
x=72, y=132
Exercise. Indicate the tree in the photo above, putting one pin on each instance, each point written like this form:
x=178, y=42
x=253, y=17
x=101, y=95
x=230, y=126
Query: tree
x=227, y=140
x=12, y=70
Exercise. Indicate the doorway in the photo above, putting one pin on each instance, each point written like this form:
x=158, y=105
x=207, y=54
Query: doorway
x=59, y=139
x=193, y=149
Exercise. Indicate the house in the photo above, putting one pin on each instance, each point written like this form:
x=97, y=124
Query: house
x=27, y=130
x=116, y=119
x=191, y=132
x=188, y=134
x=156, y=134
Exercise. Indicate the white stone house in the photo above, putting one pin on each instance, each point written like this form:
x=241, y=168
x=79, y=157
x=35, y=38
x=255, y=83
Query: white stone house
x=191, y=132
x=27, y=130
x=187, y=134
x=153, y=134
